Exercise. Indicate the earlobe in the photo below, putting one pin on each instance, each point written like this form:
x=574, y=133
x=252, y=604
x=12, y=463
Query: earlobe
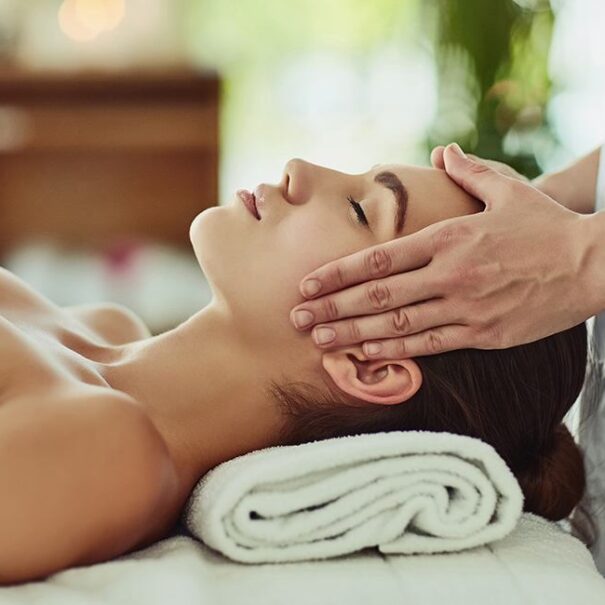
x=380, y=381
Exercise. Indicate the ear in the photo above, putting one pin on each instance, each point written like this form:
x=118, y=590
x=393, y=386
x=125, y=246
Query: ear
x=381, y=381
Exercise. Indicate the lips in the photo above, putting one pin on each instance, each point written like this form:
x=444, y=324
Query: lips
x=249, y=201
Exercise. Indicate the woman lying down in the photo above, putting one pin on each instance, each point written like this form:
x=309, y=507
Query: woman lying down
x=105, y=430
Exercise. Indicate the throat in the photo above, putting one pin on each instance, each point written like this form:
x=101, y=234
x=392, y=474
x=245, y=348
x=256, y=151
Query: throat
x=202, y=392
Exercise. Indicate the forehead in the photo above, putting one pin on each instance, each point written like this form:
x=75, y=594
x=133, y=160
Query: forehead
x=432, y=195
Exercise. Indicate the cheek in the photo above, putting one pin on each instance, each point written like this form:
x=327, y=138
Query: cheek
x=292, y=250
x=308, y=244
x=305, y=244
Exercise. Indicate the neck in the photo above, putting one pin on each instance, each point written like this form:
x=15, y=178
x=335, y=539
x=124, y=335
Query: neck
x=203, y=390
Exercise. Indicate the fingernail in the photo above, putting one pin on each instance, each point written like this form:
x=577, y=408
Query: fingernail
x=457, y=150
x=372, y=348
x=310, y=287
x=324, y=335
x=302, y=318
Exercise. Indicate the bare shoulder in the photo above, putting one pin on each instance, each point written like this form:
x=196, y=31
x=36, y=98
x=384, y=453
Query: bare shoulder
x=116, y=323
x=138, y=467
x=117, y=481
x=129, y=434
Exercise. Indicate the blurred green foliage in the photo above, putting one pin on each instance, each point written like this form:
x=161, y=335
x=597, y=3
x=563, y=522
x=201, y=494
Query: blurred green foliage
x=244, y=30
x=491, y=58
x=494, y=86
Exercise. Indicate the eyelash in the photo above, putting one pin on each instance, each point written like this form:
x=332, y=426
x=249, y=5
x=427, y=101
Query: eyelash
x=361, y=217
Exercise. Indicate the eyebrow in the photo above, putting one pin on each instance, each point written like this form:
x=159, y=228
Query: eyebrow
x=392, y=182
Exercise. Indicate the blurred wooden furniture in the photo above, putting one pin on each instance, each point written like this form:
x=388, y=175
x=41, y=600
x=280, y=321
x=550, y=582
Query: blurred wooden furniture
x=90, y=157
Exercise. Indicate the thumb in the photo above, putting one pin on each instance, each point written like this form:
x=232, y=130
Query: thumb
x=437, y=157
x=475, y=177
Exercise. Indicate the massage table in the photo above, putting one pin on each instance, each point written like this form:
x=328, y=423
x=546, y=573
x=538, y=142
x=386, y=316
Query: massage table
x=539, y=562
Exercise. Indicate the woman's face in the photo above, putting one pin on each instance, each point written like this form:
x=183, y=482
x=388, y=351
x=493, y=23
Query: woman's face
x=307, y=219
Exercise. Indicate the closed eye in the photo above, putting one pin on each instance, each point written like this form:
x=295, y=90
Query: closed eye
x=361, y=217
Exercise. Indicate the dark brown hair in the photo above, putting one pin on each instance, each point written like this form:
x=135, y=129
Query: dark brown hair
x=514, y=399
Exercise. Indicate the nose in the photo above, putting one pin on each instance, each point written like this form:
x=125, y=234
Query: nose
x=296, y=181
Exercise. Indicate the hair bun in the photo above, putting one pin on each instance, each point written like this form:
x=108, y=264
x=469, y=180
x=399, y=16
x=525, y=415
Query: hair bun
x=554, y=484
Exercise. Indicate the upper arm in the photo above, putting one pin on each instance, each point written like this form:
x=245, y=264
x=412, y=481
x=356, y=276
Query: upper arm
x=80, y=483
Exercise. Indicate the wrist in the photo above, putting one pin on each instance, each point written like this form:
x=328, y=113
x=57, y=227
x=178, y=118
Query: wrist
x=591, y=274
x=574, y=186
x=553, y=185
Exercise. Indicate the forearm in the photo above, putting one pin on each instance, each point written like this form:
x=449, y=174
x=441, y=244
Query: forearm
x=592, y=274
x=575, y=186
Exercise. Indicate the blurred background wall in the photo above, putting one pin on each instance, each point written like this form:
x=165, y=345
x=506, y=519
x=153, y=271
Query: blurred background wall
x=120, y=120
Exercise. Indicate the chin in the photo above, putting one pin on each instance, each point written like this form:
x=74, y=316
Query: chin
x=206, y=231
x=217, y=238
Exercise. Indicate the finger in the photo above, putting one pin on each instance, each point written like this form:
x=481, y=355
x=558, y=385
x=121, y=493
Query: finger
x=476, y=177
x=368, y=298
x=396, y=322
x=437, y=157
x=497, y=166
x=400, y=254
x=438, y=162
x=430, y=342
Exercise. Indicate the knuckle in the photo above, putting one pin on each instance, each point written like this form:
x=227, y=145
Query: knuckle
x=330, y=309
x=471, y=270
x=400, y=347
x=479, y=322
x=400, y=321
x=379, y=295
x=467, y=275
x=339, y=277
x=476, y=171
x=446, y=235
x=434, y=342
x=478, y=167
x=442, y=238
x=378, y=262
x=474, y=336
x=355, y=331
x=494, y=335
x=487, y=334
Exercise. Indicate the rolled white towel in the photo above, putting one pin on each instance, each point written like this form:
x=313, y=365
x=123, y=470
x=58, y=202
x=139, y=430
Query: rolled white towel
x=402, y=491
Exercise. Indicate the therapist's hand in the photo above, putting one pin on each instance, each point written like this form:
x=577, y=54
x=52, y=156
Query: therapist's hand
x=503, y=277
x=437, y=160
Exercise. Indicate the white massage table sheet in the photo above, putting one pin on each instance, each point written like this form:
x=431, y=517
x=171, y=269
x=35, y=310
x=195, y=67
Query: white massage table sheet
x=537, y=563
